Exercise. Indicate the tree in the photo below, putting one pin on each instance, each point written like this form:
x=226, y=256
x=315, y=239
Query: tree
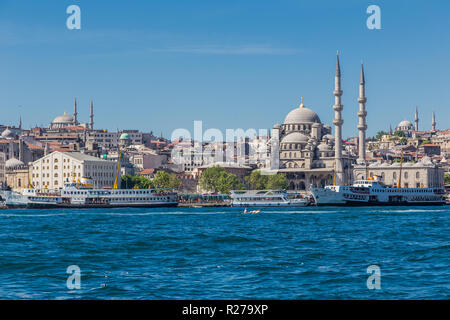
x=399, y=133
x=403, y=141
x=216, y=179
x=446, y=178
x=164, y=179
x=130, y=182
x=277, y=181
x=380, y=134
x=256, y=180
x=425, y=142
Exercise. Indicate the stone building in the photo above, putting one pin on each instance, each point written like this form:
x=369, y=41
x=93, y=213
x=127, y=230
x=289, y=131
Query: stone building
x=57, y=168
x=424, y=173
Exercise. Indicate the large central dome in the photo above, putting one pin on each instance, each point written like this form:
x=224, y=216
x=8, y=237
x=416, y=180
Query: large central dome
x=65, y=118
x=301, y=115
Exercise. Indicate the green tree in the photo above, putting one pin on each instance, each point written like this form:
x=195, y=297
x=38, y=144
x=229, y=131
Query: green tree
x=164, y=179
x=447, y=178
x=403, y=141
x=399, y=133
x=130, y=182
x=380, y=134
x=277, y=181
x=216, y=179
x=256, y=180
x=425, y=142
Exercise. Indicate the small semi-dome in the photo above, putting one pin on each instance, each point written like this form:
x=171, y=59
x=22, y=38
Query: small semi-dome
x=295, y=137
x=13, y=163
x=324, y=147
x=7, y=133
x=124, y=136
x=301, y=115
x=65, y=118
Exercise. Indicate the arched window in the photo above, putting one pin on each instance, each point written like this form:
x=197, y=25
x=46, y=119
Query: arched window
x=406, y=175
x=417, y=175
x=394, y=175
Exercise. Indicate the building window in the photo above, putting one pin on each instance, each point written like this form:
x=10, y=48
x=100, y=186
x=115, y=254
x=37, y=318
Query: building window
x=417, y=175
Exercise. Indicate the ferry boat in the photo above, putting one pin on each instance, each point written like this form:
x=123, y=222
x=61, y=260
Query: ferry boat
x=372, y=192
x=265, y=198
x=84, y=195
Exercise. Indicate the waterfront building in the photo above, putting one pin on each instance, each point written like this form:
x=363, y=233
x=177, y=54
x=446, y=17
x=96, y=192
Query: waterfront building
x=424, y=173
x=57, y=168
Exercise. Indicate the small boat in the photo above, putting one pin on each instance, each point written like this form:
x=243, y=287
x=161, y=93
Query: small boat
x=251, y=212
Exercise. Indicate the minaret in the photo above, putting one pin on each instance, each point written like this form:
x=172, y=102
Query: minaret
x=92, y=116
x=362, y=126
x=433, y=122
x=390, y=129
x=338, y=124
x=75, y=113
x=20, y=122
x=416, y=119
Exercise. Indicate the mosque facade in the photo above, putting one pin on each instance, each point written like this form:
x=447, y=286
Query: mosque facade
x=304, y=149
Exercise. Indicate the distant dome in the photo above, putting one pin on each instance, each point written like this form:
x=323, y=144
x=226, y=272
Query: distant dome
x=124, y=136
x=405, y=124
x=301, y=115
x=328, y=137
x=295, y=137
x=7, y=133
x=13, y=163
x=65, y=118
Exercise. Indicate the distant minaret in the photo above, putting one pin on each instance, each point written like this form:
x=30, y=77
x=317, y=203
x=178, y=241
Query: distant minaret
x=416, y=120
x=92, y=116
x=338, y=124
x=20, y=122
x=390, y=129
x=362, y=126
x=433, y=122
x=75, y=113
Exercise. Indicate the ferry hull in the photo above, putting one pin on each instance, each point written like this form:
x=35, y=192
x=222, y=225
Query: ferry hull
x=378, y=204
x=73, y=206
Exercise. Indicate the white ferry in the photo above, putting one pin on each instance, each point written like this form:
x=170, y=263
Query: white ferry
x=83, y=195
x=265, y=198
x=372, y=192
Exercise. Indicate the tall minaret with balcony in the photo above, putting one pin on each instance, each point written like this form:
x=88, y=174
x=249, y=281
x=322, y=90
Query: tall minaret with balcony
x=338, y=124
x=416, y=120
x=91, y=116
x=362, y=126
x=75, y=113
x=433, y=122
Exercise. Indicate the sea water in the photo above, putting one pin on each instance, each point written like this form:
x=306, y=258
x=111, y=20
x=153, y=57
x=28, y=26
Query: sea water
x=218, y=253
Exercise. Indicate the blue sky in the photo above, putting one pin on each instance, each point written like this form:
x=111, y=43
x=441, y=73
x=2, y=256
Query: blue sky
x=160, y=65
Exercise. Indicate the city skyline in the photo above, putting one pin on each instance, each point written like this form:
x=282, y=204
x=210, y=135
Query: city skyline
x=228, y=76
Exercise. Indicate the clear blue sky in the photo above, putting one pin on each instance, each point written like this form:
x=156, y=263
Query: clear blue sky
x=160, y=65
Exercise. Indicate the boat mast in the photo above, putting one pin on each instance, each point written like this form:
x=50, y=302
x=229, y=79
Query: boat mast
x=117, y=172
x=399, y=184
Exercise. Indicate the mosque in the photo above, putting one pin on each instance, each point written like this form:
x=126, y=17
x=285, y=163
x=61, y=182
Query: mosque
x=66, y=120
x=304, y=149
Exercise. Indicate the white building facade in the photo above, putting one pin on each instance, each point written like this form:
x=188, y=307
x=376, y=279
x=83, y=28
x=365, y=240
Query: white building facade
x=57, y=168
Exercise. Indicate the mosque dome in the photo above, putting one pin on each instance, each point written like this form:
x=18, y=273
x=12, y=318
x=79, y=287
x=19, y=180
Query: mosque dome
x=124, y=136
x=65, y=118
x=301, y=115
x=13, y=163
x=7, y=133
x=295, y=137
x=405, y=124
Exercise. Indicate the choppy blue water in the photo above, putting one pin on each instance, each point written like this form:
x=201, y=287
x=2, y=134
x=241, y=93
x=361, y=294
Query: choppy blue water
x=216, y=253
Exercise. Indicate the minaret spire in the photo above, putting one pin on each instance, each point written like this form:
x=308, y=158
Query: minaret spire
x=91, y=125
x=362, y=126
x=75, y=113
x=433, y=122
x=20, y=122
x=338, y=124
x=416, y=120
